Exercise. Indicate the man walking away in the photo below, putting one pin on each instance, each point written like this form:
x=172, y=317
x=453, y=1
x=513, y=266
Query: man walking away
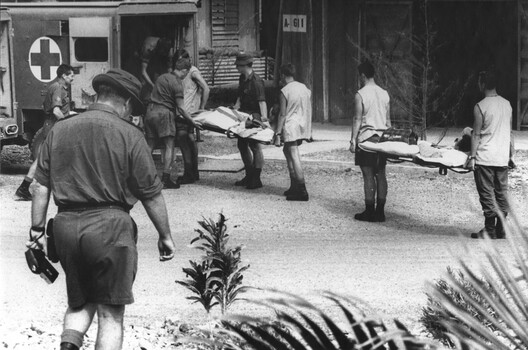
x=371, y=117
x=56, y=106
x=491, y=149
x=97, y=166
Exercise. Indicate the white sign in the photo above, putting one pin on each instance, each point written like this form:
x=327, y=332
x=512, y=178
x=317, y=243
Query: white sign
x=44, y=58
x=294, y=23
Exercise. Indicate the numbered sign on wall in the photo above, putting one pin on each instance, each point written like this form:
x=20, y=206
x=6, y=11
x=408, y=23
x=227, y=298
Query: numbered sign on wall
x=294, y=23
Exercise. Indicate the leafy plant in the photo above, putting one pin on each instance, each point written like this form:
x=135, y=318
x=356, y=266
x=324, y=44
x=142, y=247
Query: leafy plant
x=301, y=325
x=494, y=312
x=217, y=278
x=199, y=283
x=432, y=318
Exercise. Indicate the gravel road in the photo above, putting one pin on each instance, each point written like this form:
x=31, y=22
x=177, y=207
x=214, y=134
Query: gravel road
x=299, y=247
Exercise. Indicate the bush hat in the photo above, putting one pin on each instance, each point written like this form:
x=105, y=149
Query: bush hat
x=243, y=59
x=126, y=83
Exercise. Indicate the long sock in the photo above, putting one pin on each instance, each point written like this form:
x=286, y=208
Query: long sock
x=71, y=337
x=26, y=183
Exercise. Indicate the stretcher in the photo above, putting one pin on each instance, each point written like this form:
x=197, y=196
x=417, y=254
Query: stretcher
x=232, y=123
x=423, y=154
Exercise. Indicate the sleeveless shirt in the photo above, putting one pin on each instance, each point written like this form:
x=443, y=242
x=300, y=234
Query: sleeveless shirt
x=494, y=146
x=192, y=95
x=375, y=104
x=298, y=123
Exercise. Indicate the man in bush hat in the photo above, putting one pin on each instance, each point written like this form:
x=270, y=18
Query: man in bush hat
x=251, y=99
x=98, y=165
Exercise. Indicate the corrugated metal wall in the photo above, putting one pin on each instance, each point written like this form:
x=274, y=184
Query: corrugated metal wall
x=222, y=70
x=224, y=21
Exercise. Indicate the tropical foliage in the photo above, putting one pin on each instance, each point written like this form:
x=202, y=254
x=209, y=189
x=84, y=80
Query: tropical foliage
x=433, y=315
x=301, y=325
x=488, y=307
x=483, y=305
x=217, y=278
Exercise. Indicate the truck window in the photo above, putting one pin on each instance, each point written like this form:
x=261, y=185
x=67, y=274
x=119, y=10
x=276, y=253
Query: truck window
x=91, y=49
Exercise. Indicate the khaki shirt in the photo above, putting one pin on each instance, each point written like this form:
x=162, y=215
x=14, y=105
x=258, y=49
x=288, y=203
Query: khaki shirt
x=57, y=96
x=251, y=91
x=97, y=157
x=167, y=89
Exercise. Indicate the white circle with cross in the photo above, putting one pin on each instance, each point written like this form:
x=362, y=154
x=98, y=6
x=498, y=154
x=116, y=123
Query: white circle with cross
x=44, y=58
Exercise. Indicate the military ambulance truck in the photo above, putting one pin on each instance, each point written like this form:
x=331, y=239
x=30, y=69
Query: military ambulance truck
x=92, y=37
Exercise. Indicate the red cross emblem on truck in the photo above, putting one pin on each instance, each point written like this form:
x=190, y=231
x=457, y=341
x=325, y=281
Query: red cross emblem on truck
x=44, y=58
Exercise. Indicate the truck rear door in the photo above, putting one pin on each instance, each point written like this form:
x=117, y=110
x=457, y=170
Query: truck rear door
x=90, y=48
x=8, y=124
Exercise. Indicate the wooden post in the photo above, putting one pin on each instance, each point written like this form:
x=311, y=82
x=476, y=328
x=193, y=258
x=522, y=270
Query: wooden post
x=324, y=50
x=519, y=61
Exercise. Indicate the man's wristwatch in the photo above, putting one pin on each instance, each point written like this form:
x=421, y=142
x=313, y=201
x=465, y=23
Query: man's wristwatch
x=471, y=157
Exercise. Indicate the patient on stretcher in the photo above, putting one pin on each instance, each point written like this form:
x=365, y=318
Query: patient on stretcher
x=424, y=153
x=231, y=122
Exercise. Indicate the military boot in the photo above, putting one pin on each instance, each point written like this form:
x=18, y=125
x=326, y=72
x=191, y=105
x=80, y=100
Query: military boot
x=244, y=181
x=298, y=194
x=500, y=232
x=254, y=180
x=489, y=229
x=168, y=183
x=368, y=215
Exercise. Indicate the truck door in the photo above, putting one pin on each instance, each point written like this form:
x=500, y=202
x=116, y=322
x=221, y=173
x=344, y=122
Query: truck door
x=6, y=62
x=90, y=47
x=8, y=123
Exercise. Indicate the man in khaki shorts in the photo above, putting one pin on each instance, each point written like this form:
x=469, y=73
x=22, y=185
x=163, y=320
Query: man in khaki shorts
x=98, y=165
x=167, y=102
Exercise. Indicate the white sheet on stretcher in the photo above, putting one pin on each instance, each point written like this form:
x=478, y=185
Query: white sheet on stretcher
x=449, y=157
x=423, y=151
x=395, y=148
x=226, y=120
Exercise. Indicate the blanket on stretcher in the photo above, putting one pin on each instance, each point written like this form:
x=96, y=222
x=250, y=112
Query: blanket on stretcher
x=423, y=153
x=229, y=121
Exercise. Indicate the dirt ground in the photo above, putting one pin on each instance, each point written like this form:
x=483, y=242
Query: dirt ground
x=298, y=247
